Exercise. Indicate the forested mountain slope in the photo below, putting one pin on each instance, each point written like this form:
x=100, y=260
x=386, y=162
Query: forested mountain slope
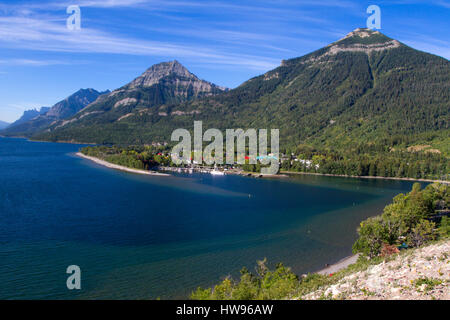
x=365, y=89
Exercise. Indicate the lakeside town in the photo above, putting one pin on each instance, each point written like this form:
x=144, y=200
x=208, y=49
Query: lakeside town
x=158, y=158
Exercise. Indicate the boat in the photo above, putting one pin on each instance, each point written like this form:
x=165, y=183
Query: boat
x=217, y=172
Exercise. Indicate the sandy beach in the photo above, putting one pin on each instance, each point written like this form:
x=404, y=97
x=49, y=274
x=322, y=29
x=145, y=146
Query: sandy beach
x=122, y=168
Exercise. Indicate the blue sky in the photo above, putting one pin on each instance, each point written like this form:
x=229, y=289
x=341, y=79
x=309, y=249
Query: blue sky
x=225, y=42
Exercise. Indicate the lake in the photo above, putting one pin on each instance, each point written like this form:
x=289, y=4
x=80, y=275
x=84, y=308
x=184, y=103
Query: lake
x=144, y=237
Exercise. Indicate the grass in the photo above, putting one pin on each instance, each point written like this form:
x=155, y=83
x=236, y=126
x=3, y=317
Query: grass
x=429, y=283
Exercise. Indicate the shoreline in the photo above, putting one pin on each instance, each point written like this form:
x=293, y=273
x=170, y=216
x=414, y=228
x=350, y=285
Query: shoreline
x=335, y=267
x=341, y=264
x=118, y=167
x=46, y=141
x=364, y=177
x=330, y=269
x=281, y=174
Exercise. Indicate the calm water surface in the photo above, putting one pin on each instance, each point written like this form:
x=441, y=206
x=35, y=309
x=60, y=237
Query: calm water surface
x=143, y=237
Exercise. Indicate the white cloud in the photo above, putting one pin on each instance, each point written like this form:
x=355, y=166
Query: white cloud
x=29, y=26
x=29, y=7
x=29, y=33
x=443, y=3
x=30, y=62
x=431, y=47
x=108, y=3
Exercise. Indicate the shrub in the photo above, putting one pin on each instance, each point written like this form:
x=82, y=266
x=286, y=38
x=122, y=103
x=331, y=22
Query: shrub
x=265, y=285
x=422, y=233
x=444, y=228
x=407, y=217
x=372, y=234
x=388, y=250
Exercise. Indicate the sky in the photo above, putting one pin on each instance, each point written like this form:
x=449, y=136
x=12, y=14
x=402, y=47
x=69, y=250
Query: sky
x=224, y=42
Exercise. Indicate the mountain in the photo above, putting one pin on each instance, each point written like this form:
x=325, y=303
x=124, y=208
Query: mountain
x=71, y=105
x=30, y=114
x=363, y=89
x=161, y=85
x=33, y=121
x=3, y=124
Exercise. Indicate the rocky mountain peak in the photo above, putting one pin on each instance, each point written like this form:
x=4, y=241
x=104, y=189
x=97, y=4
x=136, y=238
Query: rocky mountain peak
x=155, y=73
x=74, y=103
x=362, y=40
x=362, y=33
x=365, y=37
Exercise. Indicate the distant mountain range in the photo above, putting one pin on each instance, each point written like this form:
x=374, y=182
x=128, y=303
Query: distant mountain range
x=33, y=121
x=363, y=89
x=29, y=115
x=3, y=124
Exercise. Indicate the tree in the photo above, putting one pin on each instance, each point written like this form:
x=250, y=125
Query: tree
x=372, y=234
x=265, y=285
x=423, y=232
x=444, y=228
x=406, y=217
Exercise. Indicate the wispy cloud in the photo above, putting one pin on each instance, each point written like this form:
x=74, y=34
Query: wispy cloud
x=33, y=33
x=109, y=3
x=439, y=3
x=31, y=26
x=430, y=45
x=274, y=8
x=442, y=3
x=423, y=42
x=57, y=5
x=31, y=62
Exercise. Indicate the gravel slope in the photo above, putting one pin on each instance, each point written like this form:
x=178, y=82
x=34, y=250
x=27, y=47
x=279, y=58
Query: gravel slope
x=419, y=274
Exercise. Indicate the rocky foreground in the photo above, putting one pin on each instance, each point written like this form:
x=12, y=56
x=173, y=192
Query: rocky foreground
x=419, y=274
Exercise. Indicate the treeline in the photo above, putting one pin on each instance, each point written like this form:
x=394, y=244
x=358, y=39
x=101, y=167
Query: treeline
x=369, y=162
x=140, y=157
x=361, y=161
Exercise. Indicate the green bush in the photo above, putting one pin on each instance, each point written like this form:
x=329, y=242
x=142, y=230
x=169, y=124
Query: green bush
x=372, y=234
x=266, y=284
x=422, y=233
x=407, y=218
x=444, y=229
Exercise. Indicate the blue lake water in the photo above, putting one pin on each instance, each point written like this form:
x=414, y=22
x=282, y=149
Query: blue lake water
x=144, y=237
